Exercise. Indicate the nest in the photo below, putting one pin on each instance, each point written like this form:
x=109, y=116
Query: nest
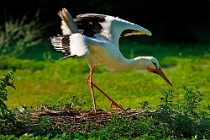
x=79, y=120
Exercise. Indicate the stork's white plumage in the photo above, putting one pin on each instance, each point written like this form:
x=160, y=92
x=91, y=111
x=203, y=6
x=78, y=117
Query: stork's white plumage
x=96, y=37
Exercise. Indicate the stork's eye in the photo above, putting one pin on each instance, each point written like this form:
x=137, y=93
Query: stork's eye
x=155, y=64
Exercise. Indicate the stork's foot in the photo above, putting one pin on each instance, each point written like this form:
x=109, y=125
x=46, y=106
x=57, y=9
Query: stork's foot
x=114, y=104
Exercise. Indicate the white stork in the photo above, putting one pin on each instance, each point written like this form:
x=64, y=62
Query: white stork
x=96, y=37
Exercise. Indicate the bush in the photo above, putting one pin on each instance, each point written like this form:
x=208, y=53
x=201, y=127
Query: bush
x=171, y=120
x=183, y=118
x=17, y=35
x=8, y=122
x=7, y=80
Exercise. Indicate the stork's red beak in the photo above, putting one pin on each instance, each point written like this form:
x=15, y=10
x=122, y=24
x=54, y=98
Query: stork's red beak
x=160, y=72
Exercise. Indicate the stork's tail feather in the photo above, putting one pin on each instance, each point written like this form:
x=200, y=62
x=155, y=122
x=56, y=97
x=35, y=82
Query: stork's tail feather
x=68, y=26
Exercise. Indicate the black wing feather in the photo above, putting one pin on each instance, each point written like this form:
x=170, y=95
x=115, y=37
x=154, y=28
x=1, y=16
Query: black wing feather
x=88, y=24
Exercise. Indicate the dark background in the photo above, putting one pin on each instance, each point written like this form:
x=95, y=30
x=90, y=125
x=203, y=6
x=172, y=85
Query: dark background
x=168, y=20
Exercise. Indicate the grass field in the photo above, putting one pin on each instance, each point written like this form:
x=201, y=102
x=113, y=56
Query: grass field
x=41, y=77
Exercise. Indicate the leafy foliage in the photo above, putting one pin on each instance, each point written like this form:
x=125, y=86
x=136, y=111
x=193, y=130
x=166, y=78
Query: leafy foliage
x=17, y=35
x=8, y=122
x=183, y=118
x=6, y=81
x=170, y=121
x=119, y=127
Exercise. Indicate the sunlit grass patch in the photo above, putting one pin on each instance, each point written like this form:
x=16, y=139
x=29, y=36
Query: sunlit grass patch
x=65, y=78
x=52, y=79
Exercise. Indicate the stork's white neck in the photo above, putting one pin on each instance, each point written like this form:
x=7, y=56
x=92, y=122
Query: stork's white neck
x=137, y=63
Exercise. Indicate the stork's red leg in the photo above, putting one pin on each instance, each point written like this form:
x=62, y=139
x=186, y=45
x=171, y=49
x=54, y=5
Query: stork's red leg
x=113, y=103
x=89, y=80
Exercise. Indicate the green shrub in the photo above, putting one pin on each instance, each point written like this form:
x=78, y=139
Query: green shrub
x=183, y=118
x=8, y=121
x=173, y=119
x=7, y=80
x=128, y=127
x=17, y=35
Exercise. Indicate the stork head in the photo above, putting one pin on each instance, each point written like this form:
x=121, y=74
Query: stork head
x=152, y=65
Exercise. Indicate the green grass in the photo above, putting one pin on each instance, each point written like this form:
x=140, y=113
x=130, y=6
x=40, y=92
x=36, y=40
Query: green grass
x=42, y=77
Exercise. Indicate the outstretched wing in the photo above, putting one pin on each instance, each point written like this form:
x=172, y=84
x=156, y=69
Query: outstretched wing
x=73, y=45
x=91, y=24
